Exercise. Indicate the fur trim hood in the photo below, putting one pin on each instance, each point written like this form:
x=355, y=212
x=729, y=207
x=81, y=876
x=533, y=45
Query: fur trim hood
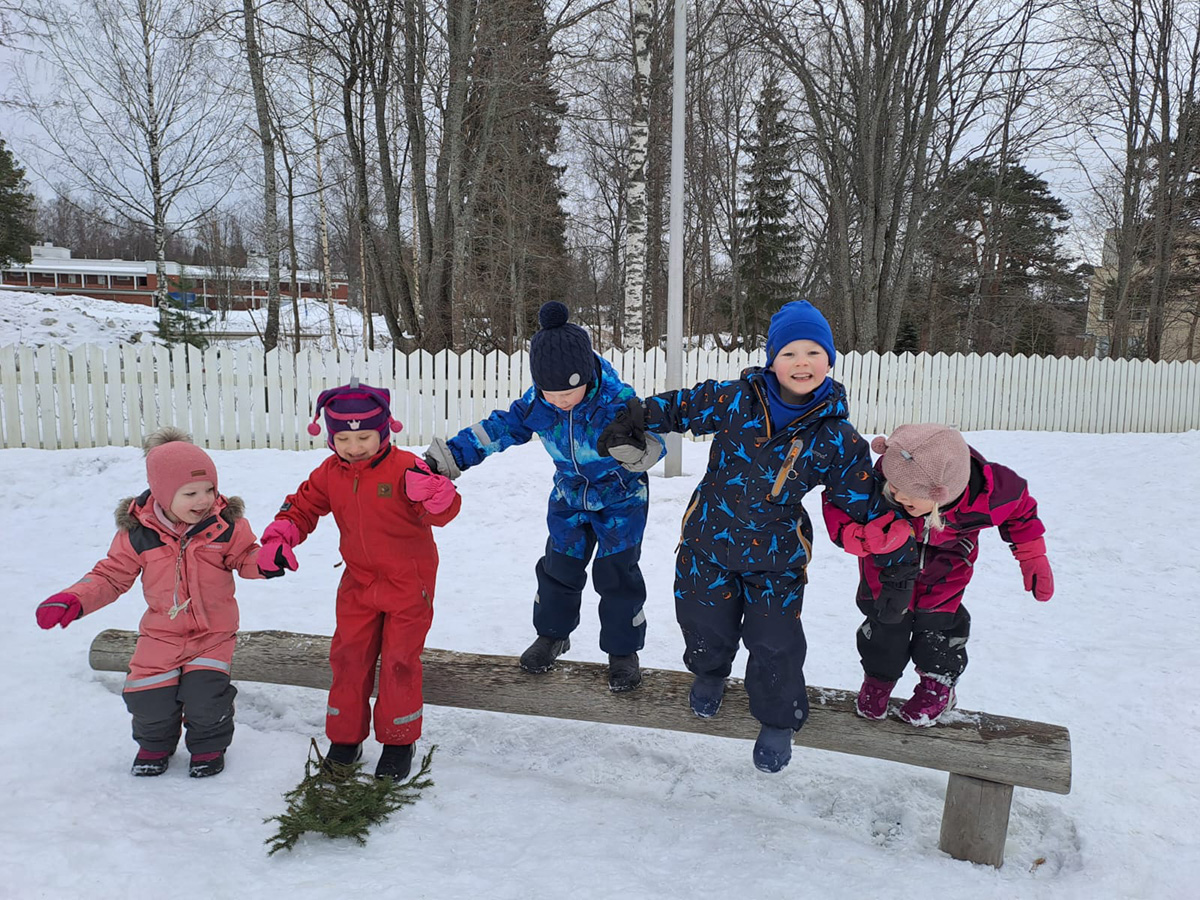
x=235, y=508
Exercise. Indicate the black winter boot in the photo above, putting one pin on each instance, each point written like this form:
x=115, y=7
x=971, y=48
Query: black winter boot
x=624, y=673
x=339, y=757
x=204, y=765
x=541, y=654
x=395, y=762
x=148, y=763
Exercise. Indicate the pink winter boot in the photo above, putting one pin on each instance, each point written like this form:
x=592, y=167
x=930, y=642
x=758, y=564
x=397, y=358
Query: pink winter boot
x=873, y=696
x=929, y=701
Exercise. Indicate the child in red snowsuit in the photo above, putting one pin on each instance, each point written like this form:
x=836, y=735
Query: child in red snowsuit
x=948, y=493
x=185, y=540
x=384, y=501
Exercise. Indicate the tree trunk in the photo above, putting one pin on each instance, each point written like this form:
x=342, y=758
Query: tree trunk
x=632, y=329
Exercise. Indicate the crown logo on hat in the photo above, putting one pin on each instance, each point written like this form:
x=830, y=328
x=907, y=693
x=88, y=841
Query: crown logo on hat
x=354, y=423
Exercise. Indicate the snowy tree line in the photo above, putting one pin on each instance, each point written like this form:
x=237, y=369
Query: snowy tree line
x=902, y=163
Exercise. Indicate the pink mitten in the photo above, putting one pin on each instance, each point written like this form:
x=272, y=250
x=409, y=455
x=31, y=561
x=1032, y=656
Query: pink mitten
x=276, y=554
x=1035, y=568
x=881, y=535
x=61, y=609
x=434, y=492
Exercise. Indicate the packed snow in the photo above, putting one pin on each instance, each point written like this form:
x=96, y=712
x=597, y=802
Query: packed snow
x=529, y=807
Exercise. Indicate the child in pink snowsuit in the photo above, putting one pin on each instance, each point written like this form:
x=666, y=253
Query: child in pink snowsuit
x=186, y=540
x=948, y=493
x=384, y=501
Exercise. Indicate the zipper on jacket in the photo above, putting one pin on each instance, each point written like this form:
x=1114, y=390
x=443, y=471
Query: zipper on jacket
x=786, y=470
x=571, y=441
x=176, y=609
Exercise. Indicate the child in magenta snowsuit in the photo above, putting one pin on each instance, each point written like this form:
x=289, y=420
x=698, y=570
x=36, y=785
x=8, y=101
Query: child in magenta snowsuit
x=949, y=493
x=185, y=540
x=384, y=501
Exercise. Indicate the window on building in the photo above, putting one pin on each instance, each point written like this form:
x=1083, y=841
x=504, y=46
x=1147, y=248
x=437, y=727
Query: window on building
x=95, y=281
x=122, y=281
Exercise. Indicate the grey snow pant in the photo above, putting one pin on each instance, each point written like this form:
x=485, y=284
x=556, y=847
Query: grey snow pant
x=202, y=702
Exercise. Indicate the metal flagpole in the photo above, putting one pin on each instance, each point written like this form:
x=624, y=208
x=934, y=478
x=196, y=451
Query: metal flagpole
x=674, y=463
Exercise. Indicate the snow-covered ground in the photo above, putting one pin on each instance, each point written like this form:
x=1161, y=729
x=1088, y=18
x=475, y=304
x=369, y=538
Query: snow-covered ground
x=36, y=319
x=538, y=807
x=534, y=807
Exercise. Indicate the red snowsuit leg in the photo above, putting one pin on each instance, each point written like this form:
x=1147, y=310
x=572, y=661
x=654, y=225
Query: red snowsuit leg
x=375, y=620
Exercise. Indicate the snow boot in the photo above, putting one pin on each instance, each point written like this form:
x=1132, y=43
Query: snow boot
x=340, y=757
x=773, y=749
x=205, y=765
x=624, y=673
x=706, y=695
x=541, y=654
x=148, y=763
x=932, y=698
x=395, y=762
x=873, y=696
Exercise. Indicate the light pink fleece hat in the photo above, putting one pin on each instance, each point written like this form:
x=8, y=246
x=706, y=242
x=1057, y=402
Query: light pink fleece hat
x=927, y=461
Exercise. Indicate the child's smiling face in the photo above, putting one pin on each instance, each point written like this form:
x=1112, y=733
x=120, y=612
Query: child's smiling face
x=566, y=400
x=355, y=446
x=193, y=502
x=800, y=366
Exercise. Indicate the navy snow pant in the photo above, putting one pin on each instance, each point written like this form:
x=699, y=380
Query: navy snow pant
x=936, y=642
x=615, y=534
x=716, y=608
x=202, y=702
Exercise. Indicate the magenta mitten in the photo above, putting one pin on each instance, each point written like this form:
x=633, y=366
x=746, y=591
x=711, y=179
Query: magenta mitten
x=1035, y=568
x=61, y=609
x=882, y=535
x=276, y=554
x=434, y=492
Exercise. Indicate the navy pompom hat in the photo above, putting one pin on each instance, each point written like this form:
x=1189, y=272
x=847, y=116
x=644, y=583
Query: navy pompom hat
x=355, y=407
x=560, y=355
x=798, y=321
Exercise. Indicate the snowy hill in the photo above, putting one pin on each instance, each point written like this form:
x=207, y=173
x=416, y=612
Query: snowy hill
x=531, y=807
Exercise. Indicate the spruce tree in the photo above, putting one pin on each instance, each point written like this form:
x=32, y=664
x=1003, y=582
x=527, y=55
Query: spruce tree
x=16, y=210
x=767, y=262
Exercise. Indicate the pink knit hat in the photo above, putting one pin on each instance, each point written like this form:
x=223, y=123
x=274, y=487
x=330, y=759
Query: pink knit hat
x=931, y=462
x=172, y=461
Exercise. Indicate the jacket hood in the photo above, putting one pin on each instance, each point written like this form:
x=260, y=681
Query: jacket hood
x=233, y=508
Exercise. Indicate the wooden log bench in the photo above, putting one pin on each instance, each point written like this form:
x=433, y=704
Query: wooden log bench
x=986, y=756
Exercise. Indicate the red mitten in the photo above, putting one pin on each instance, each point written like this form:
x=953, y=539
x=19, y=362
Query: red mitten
x=1035, y=568
x=879, y=536
x=276, y=554
x=434, y=492
x=61, y=610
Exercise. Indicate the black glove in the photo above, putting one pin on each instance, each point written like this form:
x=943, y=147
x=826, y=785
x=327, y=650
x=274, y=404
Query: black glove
x=628, y=428
x=280, y=561
x=432, y=462
x=896, y=586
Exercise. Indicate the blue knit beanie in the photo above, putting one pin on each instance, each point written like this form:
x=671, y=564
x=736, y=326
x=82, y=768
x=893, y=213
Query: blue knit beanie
x=560, y=355
x=798, y=321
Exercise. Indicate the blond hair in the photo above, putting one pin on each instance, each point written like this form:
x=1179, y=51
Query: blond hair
x=933, y=519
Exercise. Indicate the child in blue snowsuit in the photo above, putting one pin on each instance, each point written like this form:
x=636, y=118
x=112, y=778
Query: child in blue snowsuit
x=779, y=432
x=596, y=504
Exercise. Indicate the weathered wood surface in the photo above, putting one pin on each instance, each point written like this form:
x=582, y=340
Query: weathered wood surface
x=993, y=748
x=975, y=820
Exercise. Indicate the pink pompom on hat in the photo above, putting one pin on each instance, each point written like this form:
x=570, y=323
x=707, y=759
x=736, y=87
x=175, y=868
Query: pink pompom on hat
x=172, y=461
x=931, y=462
x=355, y=407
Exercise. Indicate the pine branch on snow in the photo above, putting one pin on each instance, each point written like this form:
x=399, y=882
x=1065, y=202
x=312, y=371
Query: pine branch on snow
x=342, y=803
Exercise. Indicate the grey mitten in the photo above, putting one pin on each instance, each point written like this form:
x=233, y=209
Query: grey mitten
x=440, y=458
x=635, y=460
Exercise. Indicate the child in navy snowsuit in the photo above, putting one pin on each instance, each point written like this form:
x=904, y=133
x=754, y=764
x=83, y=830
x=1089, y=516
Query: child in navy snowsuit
x=779, y=432
x=597, y=504
x=948, y=493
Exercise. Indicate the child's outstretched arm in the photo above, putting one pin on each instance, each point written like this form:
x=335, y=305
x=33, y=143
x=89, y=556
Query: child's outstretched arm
x=241, y=552
x=295, y=521
x=434, y=494
x=1015, y=511
x=107, y=580
x=699, y=409
x=626, y=440
x=502, y=429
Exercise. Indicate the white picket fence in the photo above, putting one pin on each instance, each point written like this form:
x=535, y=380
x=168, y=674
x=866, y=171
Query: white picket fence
x=51, y=397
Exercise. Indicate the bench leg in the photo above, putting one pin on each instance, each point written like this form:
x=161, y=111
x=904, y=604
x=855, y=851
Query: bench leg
x=975, y=819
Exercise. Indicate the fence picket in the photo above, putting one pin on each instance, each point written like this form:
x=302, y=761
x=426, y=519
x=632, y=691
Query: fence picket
x=10, y=397
x=83, y=415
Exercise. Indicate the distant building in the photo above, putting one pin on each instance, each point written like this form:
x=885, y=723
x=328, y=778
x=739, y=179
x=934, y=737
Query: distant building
x=53, y=271
x=1181, y=316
